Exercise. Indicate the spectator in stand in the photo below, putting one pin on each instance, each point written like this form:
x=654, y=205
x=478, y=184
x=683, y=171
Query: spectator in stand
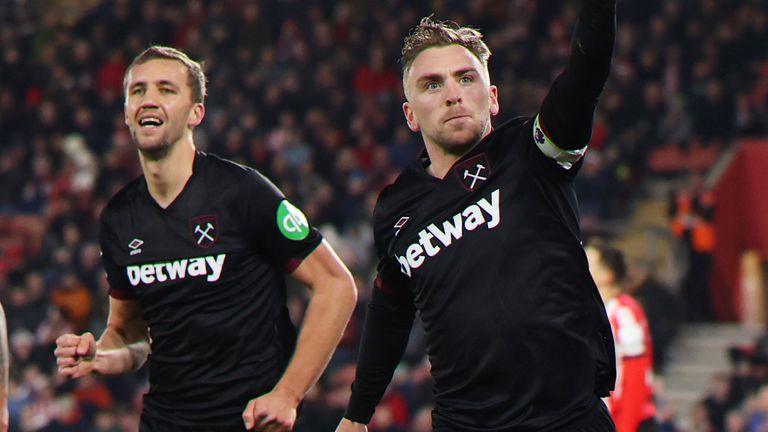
x=757, y=410
x=74, y=299
x=662, y=308
x=692, y=211
x=735, y=421
x=375, y=78
x=719, y=401
x=700, y=419
x=595, y=183
x=713, y=113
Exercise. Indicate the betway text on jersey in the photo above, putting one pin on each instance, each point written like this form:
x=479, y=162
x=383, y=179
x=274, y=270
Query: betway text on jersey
x=434, y=238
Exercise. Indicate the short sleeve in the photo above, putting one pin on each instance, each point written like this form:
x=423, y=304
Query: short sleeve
x=119, y=286
x=275, y=226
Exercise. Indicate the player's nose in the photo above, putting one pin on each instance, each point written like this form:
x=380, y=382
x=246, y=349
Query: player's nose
x=452, y=94
x=148, y=103
x=150, y=98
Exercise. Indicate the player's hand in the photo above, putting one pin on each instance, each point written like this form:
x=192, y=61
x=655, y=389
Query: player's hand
x=75, y=354
x=272, y=412
x=347, y=425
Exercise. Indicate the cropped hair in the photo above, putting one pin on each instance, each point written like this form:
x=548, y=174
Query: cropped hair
x=612, y=258
x=195, y=73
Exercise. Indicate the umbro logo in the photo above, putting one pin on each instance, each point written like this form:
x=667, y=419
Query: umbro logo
x=400, y=223
x=135, y=246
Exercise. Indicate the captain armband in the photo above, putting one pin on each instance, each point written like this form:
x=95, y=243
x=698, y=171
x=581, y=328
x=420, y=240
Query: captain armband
x=564, y=158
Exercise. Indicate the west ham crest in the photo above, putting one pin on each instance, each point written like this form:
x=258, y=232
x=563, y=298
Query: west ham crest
x=205, y=230
x=473, y=172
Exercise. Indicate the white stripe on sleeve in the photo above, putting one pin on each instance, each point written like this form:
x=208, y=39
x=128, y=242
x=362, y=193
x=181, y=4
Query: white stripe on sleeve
x=564, y=158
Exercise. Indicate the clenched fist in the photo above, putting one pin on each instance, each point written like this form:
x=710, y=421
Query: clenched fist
x=75, y=354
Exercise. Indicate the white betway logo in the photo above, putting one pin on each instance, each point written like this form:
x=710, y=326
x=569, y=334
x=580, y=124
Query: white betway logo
x=472, y=217
x=209, y=266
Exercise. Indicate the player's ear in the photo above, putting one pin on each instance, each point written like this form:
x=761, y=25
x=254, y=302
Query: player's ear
x=196, y=115
x=410, y=117
x=494, y=99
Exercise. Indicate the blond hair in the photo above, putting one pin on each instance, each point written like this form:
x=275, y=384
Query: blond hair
x=430, y=33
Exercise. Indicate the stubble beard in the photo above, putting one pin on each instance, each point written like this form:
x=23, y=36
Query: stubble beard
x=458, y=142
x=155, y=152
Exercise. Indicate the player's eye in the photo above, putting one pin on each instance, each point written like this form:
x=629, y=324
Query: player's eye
x=137, y=91
x=167, y=90
x=466, y=79
x=432, y=85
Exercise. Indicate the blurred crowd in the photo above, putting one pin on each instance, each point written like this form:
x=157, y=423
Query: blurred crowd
x=309, y=93
x=737, y=400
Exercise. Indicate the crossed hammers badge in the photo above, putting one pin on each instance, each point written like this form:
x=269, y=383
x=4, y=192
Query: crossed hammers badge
x=473, y=172
x=205, y=230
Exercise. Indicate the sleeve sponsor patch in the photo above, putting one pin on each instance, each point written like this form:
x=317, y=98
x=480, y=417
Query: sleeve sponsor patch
x=291, y=221
x=564, y=158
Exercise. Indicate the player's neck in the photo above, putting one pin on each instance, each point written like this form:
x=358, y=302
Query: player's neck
x=167, y=176
x=439, y=164
x=611, y=293
x=441, y=161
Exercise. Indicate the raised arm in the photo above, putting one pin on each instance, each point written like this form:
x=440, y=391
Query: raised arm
x=122, y=348
x=333, y=299
x=564, y=126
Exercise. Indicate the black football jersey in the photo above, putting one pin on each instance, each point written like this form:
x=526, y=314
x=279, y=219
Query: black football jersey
x=209, y=273
x=491, y=258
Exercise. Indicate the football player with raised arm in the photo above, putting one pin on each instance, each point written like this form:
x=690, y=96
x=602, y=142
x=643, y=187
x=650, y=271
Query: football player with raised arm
x=480, y=236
